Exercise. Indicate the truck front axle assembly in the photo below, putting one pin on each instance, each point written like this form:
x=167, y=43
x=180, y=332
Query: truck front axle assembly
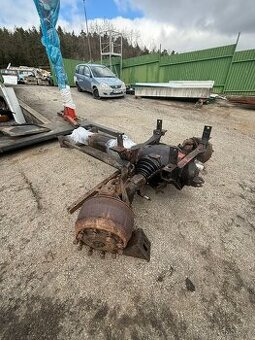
x=106, y=219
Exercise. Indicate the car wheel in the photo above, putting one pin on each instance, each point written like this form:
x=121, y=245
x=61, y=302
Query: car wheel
x=78, y=87
x=96, y=93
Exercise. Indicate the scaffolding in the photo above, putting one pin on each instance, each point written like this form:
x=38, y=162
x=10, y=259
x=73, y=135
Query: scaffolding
x=110, y=49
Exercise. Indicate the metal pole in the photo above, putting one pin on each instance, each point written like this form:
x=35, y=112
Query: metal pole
x=110, y=49
x=101, y=56
x=87, y=29
x=121, y=57
x=231, y=64
x=238, y=37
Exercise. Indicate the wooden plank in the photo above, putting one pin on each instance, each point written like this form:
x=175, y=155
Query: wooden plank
x=79, y=202
x=23, y=130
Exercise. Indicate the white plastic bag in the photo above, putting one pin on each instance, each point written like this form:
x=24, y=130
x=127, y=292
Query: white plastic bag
x=127, y=143
x=80, y=135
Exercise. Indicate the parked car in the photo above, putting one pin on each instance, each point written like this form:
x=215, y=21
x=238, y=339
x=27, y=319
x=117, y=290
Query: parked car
x=24, y=75
x=99, y=80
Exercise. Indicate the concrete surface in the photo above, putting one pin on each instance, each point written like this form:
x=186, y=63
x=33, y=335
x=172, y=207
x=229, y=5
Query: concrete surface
x=50, y=290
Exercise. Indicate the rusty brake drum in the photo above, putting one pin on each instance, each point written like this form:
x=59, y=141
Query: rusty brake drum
x=105, y=223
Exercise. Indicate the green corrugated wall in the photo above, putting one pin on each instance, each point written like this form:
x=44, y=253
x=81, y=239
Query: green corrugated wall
x=241, y=78
x=209, y=64
x=141, y=69
x=233, y=72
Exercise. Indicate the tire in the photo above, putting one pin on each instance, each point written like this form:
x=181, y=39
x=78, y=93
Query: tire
x=96, y=93
x=78, y=87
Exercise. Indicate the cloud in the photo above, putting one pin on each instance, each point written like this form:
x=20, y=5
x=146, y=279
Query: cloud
x=18, y=13
x=151, y=34
x=228, y=16
x=123, y=5
x=188, y=26
x=23, y=13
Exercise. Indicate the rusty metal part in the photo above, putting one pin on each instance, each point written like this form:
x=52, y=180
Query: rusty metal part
x=105, y=223
x=188, y=145
x=138, y=246
x=154, y=139
x=134, y=184
x=112, y=188
x=96, y=153
x=99, y=141
x=184, y=161
x=4, y=118
x=132, y=154
x=244, y=101
x=207, y=154
x=106, y=220
x=192, y=143
x=190, y=156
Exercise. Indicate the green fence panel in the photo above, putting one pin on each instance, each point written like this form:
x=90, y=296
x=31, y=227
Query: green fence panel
x=144, y=68
x=141, y=60
x=209, y=64
x=140, y=73
x=241, y=80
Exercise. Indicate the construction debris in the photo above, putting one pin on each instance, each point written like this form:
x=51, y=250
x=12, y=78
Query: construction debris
x=22, y=126
x=26, y=75
x=247, y=102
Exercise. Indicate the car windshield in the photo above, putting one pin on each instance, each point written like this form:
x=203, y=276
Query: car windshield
x=102, y=72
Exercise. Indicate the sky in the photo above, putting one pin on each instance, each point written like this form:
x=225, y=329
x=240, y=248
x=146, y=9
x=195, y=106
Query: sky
x=182, y=25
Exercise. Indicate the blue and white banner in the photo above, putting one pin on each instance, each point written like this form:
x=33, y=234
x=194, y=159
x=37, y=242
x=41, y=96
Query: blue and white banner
x=48, y=11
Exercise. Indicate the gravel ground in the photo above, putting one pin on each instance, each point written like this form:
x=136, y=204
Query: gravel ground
x=201, y=236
